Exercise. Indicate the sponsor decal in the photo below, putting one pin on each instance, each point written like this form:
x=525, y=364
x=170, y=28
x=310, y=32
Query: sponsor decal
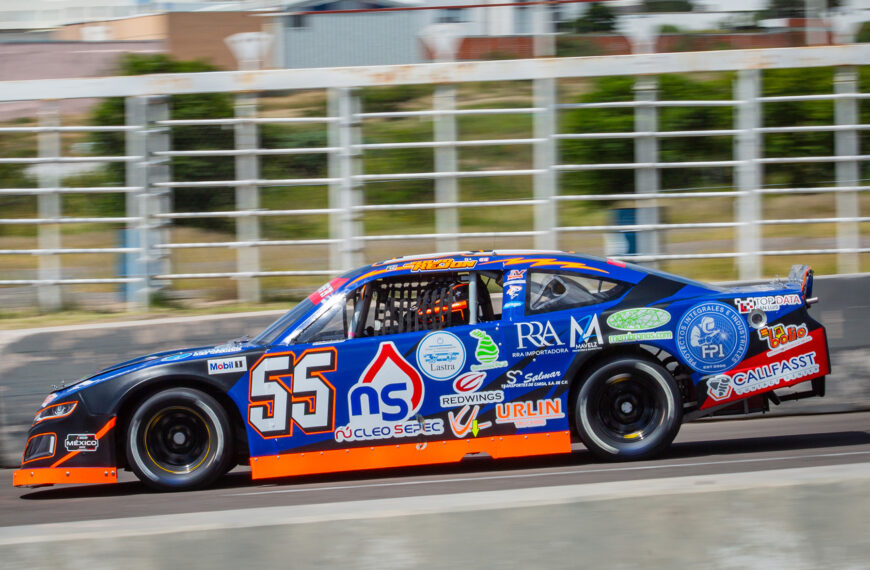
x=514, y=290
x=174, y=357
x=518, y=379
x=486, y=352
x=326, y=290
x=221, y=349
x=512, y=305
x=516, y=275
x=82, y=442
x=389, y=431
x=640, y=319
x=469, y=382
x=724, y=386
x=438, y=264
x=456, y=400
x=640, y=336
x=529, y=414
x=388, y=394
x=441, y=355
x=465, y=420
x=766, y=303
x=225, y=365
x=712, y=337
x=542, y=337
x=784, y=337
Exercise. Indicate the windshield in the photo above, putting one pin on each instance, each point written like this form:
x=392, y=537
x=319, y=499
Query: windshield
x=274, y=330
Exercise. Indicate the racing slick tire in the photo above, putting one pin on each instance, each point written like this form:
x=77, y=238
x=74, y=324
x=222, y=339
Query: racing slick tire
x=628, y=408
x=179, y=439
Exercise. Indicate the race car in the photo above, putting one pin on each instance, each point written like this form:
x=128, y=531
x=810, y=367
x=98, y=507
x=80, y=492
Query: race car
x=427, y=359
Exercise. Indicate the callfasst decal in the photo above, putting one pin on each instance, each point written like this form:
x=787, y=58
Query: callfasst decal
x=725, y=386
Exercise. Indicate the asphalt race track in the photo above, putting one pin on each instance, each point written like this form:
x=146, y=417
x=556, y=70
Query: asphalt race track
x=702, y=448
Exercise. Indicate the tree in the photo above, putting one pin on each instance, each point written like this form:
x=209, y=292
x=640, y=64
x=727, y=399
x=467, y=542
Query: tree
x=667, y=6
x=792, y=8
x=598, y=18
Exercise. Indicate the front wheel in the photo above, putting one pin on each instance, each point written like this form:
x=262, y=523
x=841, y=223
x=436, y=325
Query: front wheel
x=629, y=408
x=179, y=439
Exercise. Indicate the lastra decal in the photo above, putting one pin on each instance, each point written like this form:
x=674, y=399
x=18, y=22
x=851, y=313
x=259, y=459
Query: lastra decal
x=486, y=352
x=441, y=355
x=712, y=337
x=389, y=393
x=766, y=303
x=465, y=421
x=529, y=414
x=724, y=386
x=640, y=319
x=784, y=337
x=541, y=337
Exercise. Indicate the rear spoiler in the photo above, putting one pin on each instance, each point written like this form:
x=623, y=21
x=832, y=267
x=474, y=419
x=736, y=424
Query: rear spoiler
x=802, y=276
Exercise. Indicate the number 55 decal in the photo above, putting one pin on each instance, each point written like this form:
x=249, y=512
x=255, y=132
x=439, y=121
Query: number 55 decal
x=283, y=391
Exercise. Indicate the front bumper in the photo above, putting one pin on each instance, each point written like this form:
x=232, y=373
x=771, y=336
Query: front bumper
x=79, y=448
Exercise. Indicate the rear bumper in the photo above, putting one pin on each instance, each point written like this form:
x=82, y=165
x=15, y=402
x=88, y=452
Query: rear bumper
x=69, y=475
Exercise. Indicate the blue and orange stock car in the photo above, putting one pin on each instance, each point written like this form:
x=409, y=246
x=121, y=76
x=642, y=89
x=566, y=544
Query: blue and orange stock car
x=426, y=359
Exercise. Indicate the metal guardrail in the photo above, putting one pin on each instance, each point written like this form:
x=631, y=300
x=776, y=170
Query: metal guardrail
x=149, y=178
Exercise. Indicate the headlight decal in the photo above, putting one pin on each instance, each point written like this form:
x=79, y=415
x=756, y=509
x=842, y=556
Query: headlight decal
x=55, y=411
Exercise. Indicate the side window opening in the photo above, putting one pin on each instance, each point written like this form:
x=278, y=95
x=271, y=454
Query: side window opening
x=414, y=303
x=330, y=326
x=550, y=291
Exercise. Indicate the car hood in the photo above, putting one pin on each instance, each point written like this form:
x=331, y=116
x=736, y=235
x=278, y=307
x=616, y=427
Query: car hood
x=147, y=361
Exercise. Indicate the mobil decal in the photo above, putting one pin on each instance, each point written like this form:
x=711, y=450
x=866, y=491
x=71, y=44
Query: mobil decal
x=465, y=421
x=712, y=337
x=529, y=414
x=225, y=365
x=784, y=337
x=724, y=386
x=541, y=337
x=388, y=394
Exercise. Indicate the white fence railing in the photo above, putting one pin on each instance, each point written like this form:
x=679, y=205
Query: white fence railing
x=149, y=182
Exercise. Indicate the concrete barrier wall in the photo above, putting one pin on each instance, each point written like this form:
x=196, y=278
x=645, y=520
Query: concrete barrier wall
x=32, y=360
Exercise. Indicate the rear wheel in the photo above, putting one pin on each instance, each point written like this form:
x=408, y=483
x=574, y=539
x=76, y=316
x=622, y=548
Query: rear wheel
x=629, y=408
x=179, y=439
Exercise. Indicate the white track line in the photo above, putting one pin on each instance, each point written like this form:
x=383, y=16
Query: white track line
x=545, y=474
x=856, y=473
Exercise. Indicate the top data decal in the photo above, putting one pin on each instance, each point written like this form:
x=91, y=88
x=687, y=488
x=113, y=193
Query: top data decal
x=712, y=337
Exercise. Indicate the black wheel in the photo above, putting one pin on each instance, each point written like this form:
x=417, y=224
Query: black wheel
x=629, y=408
x=179, y=439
